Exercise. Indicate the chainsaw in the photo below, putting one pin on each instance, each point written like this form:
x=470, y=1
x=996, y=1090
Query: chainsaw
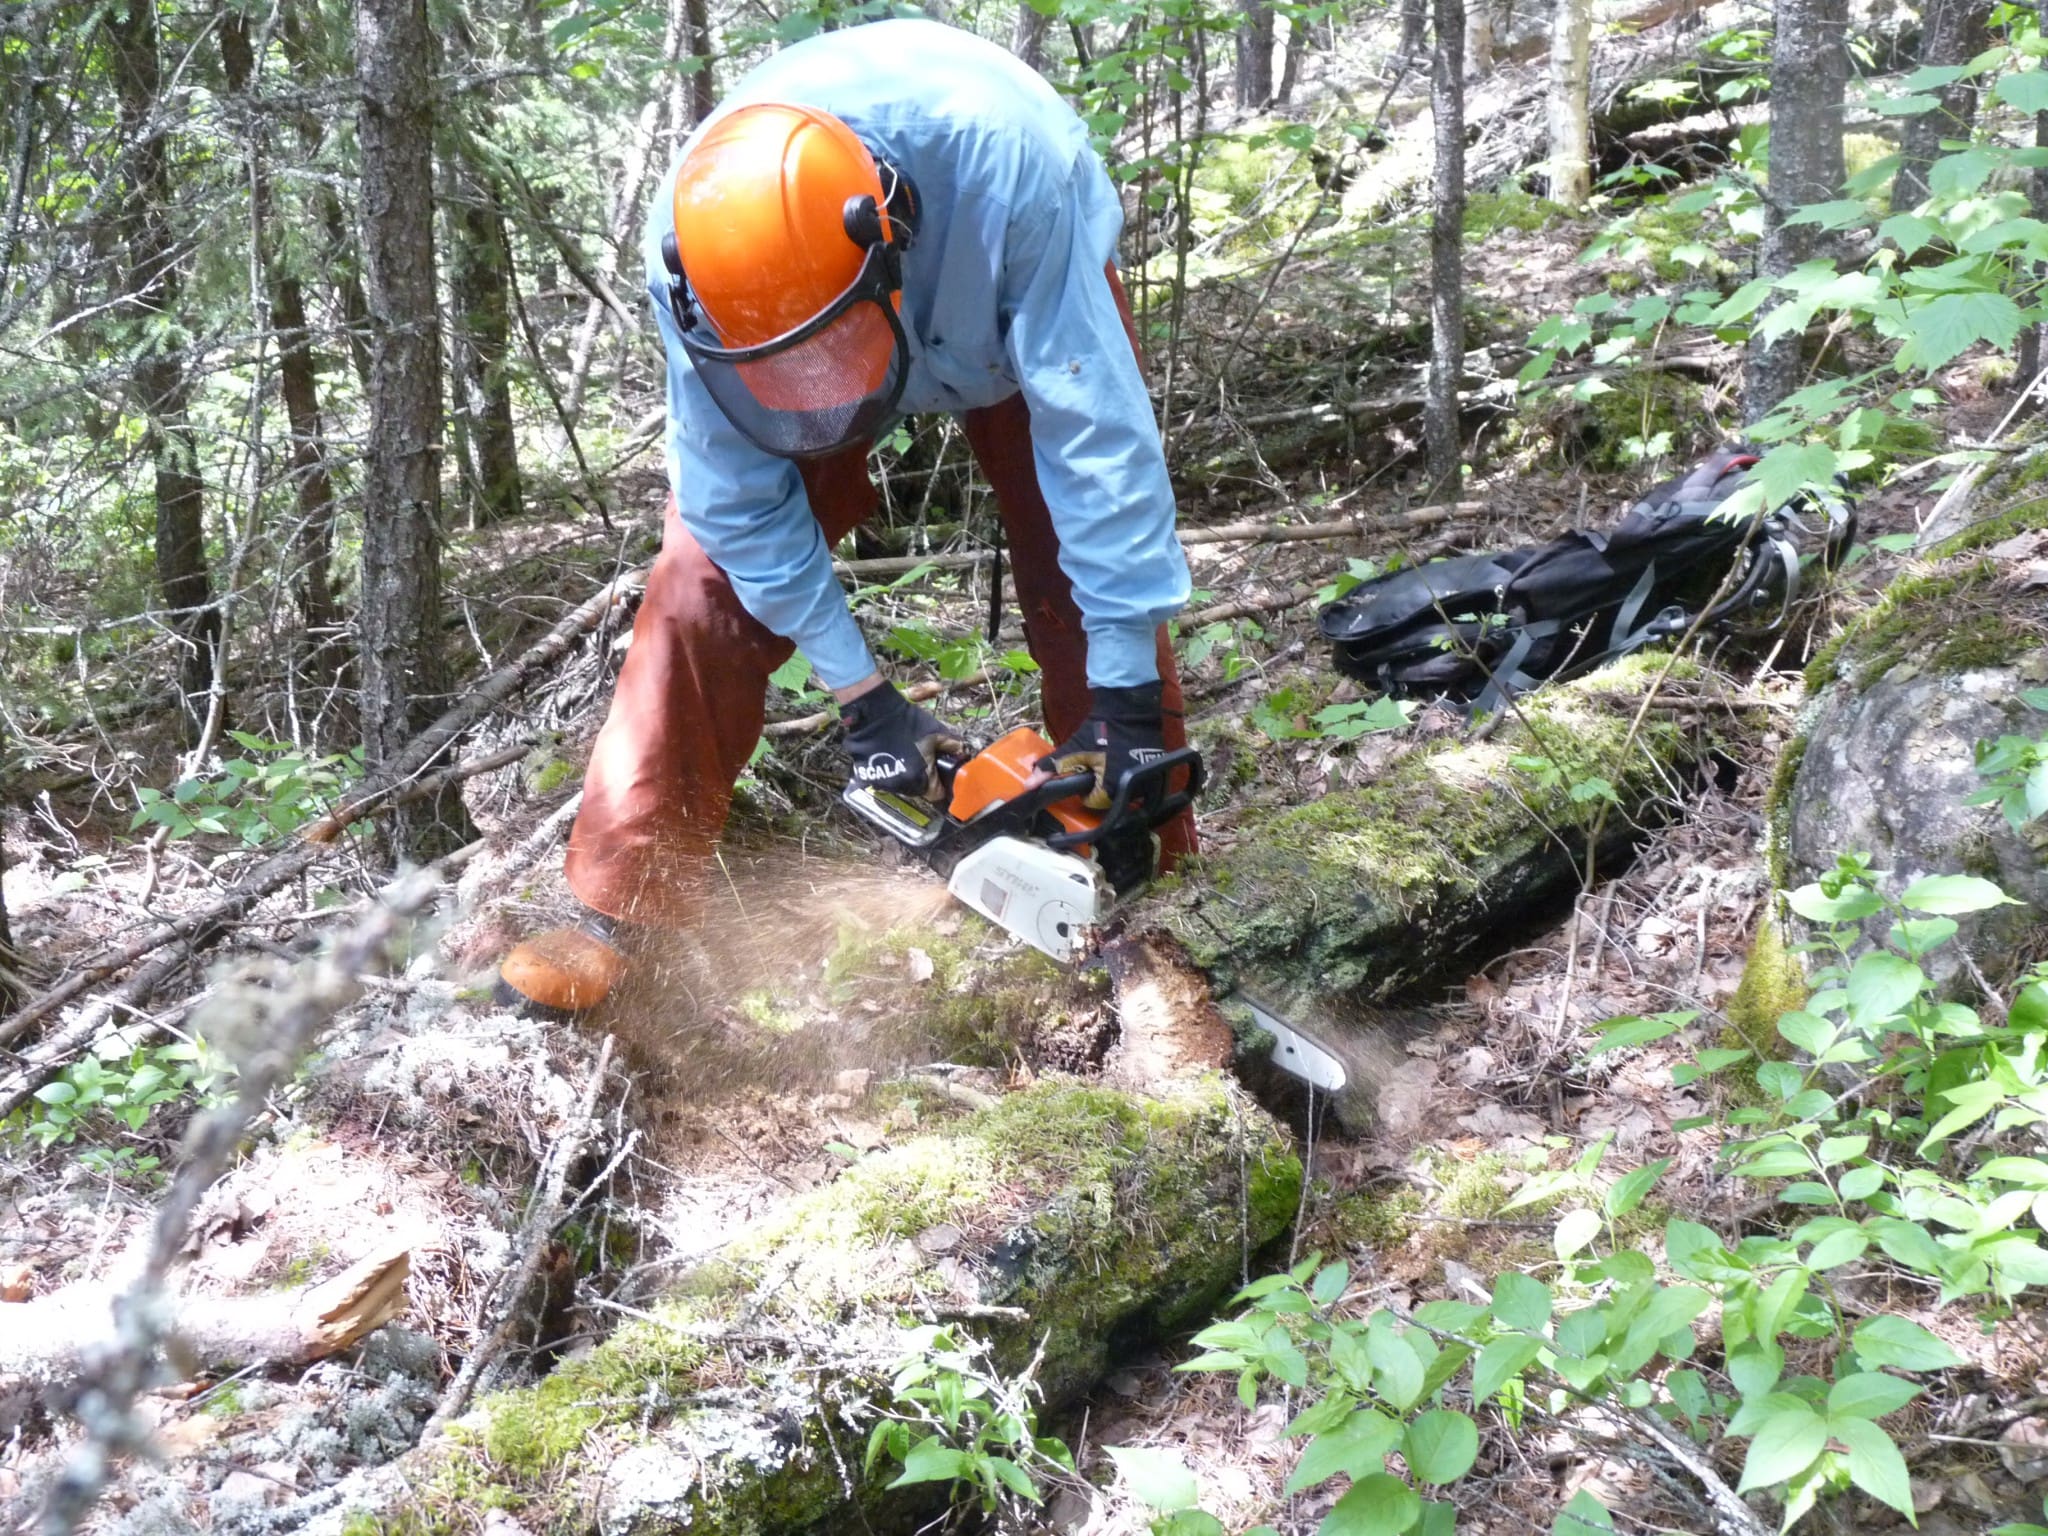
x=1032, y=858
x=1036, y=862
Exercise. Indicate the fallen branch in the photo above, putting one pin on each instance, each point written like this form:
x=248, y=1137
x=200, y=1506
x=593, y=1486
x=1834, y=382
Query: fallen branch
x=202, y=927
x=278, y=1024
x=540, y=1225
x=54, y=1052
x=1226, y=533
x=43, y=1342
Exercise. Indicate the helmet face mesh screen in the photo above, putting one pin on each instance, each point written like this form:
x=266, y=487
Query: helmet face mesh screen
x=814, y=396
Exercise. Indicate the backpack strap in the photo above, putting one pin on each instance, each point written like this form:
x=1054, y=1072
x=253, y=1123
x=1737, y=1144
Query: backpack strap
x=1505, y=678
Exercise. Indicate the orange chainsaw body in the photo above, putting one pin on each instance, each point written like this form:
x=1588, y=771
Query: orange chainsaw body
x=999, y=773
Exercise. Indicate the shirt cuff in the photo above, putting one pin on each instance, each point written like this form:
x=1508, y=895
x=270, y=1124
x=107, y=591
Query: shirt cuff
x=1123, y=655
x=838, y=654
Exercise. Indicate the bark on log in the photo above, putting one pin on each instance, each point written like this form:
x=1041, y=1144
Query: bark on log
x=42, y=1341
x=1377, y=894
x=1062, y=1223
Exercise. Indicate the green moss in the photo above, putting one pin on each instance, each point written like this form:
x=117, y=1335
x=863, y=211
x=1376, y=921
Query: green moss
x=1618, y=425
x=1489, y=213
x=1369, y=1219
x=640, y=1369
x=2025, y=516
x=1948, y=619
x=1773, y=984
x=1374, y=890
x=1096, y=1215
x=553, y=775
x=1863, y=151
x=1778, y=810
x=973, y=1008
x=770, y=1010
x=1472, y=1188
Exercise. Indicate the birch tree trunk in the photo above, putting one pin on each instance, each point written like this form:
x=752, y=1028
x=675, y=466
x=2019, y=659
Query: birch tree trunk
x=159, y=387
x=404, y=679
x=1446, y=251
x=1954, y=32
x=1809, y=72
x=1571, y=36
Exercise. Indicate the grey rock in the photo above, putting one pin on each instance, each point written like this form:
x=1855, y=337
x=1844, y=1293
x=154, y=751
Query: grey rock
x=1886, y=773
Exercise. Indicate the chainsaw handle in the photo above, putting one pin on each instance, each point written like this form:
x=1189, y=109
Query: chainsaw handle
x=1151, y=782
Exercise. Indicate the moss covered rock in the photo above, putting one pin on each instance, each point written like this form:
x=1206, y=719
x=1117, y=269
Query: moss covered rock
x=1456, y=849
x=1062, y=1223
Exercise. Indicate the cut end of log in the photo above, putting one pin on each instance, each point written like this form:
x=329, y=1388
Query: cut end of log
x=1171, y=1028
x=355, y=1303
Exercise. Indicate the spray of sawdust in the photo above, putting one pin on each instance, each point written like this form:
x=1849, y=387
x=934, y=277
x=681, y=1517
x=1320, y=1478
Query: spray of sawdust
x=743, y=999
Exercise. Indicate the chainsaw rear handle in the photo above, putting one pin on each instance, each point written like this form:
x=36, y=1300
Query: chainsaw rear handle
x=1151, y=784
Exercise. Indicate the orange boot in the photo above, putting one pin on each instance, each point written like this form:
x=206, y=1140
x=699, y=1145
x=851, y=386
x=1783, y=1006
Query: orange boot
x=565, y=970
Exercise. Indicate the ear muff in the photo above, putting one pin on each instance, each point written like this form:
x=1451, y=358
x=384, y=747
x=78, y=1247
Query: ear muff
x=679, y=303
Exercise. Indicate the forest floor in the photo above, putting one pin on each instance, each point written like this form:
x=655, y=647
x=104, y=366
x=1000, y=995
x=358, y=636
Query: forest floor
x=772, y=1058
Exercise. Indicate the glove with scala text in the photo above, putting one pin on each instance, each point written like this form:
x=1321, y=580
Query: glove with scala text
x=1124, y=730
x=893, y=743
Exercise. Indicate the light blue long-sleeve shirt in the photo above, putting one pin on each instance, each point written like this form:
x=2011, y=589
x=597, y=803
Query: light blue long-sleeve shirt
x=1003, y=291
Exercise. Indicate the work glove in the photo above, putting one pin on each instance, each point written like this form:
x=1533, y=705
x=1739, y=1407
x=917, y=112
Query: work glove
x=1124, y=730
x=893, y=743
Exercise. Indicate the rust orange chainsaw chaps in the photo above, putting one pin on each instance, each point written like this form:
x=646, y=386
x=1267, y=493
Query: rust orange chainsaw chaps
x=689, y=705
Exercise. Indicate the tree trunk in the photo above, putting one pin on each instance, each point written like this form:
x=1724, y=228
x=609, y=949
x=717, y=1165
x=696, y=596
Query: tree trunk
x=1254, y=56
x=1571, y=173
x=1952, y=32
x=1446, y=252
x=479, y=285
x=1414, y=28
x=160, y=391
x=322, y=655
x=12, y=987
x=341, y=258
x=1027, y=40
x=1482, y=25
x=1809, y=71
x=404, y=680
x=1383, y=894
x=1291, y=56
x=703, y=84
x=2037, y=200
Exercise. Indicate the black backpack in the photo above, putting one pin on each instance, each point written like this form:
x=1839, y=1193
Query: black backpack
x=1496, y=624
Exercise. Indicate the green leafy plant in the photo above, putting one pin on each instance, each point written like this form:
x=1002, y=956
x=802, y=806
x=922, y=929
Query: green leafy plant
x=952, y=1419
x=273, y=791
x=2015, y=770
x=1899, y=1137
x=1286, y=714
x=118, y=1088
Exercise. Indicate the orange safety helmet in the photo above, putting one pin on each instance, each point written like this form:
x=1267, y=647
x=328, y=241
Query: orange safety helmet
x=785, y=276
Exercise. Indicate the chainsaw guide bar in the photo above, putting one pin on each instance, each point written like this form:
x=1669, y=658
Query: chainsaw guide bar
x=1035, y=861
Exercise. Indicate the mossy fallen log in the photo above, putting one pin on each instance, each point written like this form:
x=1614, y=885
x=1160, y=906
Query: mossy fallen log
x=1376, y=894
x=1063, y=1223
